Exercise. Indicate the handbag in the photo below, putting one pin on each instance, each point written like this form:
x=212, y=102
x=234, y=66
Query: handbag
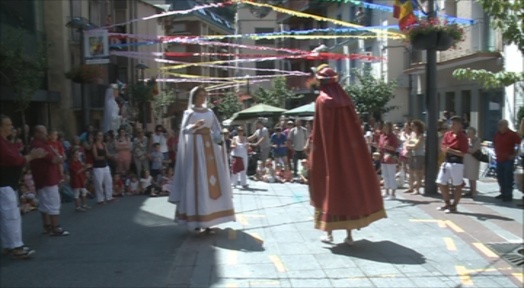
x=480, y=156
x=237, y=165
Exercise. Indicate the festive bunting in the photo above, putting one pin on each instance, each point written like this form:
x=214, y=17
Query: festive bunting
x=318, y=18
x=386, y=8
x=170, y=13
x=150, y=56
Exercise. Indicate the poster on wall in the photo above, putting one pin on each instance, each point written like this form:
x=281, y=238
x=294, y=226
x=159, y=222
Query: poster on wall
x=96, y=47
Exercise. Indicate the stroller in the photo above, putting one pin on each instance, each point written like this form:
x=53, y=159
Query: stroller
x=491, y=169
x=252, y=160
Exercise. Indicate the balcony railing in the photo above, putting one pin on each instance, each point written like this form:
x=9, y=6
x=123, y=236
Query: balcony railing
x=478, y=38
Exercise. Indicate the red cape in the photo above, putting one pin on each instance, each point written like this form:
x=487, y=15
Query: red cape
x=343, y=182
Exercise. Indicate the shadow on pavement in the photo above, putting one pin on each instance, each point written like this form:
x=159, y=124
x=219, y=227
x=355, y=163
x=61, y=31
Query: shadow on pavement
x=238, y=240
x=131, y=243
x=484, y=217
x=382, y=251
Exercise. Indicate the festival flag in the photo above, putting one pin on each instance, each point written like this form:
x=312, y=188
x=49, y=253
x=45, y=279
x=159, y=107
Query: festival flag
x=403, y=11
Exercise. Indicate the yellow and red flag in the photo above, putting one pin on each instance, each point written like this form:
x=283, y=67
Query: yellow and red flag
x=403, y=11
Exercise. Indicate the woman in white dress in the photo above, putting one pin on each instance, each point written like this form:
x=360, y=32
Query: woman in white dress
x=201, y=185
x=472, y=165
x=239, y=149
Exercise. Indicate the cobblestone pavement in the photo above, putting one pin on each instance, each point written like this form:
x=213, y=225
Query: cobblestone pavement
x=134, y=243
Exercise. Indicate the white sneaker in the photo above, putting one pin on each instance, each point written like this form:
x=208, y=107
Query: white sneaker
x=392, y=197
x=349, y=241
x=327, y=239
x=385, y=196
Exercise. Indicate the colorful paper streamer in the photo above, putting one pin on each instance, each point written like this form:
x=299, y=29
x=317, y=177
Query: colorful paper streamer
x=170, y=13
x=318, y=18
x=386, y=8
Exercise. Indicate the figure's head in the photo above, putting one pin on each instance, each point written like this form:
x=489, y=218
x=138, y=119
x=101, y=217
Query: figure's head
x=503, y=126
x=388, y=128
x=156, y=146
x=456, y=124
x=278, y=167
x=159, y=129
x=240, y=130
x=325, y=74
x=278, y=130
x=121, y=132
x=6, y=126
x=269, y=162
x=259, y=124
x=76, y=154
x=418, y=127
x=53, y=135
x=471, y=132
x=146, y=173
x=298, y=123
x=198, y=96
x=40, y=132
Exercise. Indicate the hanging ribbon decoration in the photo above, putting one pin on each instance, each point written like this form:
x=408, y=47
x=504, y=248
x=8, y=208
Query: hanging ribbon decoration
x=386, y=8
x=319, y=18
x=151, y=56
x=170, y=13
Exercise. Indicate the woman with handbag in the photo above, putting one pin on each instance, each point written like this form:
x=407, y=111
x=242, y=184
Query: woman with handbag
x=239, y=148
x=472, y=164
x=388, y=144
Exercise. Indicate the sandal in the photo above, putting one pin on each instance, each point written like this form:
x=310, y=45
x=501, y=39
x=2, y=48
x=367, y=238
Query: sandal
x=23, y=252
x=451, y=209
x=47, y=229
x=445, y=207
x=58, y=231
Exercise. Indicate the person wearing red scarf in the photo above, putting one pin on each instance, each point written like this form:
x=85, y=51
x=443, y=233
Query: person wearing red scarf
x=343, y=187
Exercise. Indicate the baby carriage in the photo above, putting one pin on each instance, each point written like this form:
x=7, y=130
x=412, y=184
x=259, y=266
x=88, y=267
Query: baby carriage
x=252, y=160
x=491, y=169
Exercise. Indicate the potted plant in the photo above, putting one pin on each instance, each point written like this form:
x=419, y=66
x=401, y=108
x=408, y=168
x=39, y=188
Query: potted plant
x=84, y=73
x=434, y=34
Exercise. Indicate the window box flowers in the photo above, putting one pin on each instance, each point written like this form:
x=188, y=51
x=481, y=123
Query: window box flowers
x=434, y=34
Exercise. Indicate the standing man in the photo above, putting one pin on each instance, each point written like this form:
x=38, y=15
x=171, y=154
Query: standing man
x=298, y=137
x=455, y=145
x=263, y=140
x=505, y=141
x=11, y=165
x=47, y=176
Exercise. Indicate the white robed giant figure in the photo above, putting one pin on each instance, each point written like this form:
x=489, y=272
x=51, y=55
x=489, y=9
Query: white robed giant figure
x=201, y=184
x=111, y=109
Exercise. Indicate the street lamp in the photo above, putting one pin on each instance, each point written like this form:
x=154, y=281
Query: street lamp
x=432, y=109
x=81, y=24
x=142, y=67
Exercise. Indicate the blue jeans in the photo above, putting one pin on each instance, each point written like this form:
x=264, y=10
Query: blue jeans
x=505, y=178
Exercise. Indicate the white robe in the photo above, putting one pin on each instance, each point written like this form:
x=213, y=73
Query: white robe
x=111, y=119
x=194, y=182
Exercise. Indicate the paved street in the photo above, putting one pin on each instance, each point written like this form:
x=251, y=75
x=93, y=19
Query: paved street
x=134, y=243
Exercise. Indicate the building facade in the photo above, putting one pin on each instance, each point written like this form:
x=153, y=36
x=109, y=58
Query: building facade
x=23, y=22
x=481, y=49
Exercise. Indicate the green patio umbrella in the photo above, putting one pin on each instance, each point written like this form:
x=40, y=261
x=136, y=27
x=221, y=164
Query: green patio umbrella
x=304, y=110
x=259, y=110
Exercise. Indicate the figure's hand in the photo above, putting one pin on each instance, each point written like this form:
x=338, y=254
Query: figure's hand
x=89, y=166
x=199, y=123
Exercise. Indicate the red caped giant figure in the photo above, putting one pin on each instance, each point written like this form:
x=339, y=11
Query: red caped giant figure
x=343, y=186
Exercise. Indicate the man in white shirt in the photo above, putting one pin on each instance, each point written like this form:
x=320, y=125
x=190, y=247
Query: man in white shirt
x=263, y=140
x=298, y=138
